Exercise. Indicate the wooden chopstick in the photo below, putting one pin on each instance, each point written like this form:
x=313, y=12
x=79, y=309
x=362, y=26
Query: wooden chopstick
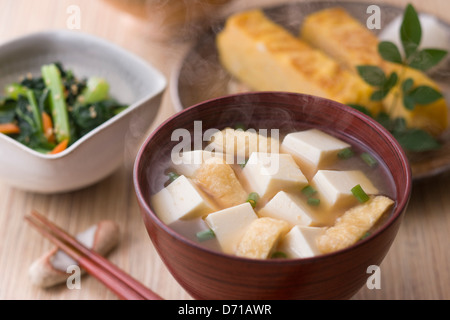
x=122, y=284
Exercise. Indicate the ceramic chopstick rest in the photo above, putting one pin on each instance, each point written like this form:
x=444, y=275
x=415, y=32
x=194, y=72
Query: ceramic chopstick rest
x=52, y=267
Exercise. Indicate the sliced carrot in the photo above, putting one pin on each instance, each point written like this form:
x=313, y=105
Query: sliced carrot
x=9, y=128
x=47, y=124
x=60, y=147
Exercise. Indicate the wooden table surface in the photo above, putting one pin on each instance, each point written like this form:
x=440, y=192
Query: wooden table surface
x=416, y=267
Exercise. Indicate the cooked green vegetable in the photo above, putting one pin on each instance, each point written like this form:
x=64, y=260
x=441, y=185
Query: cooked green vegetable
x=96, y=90
x=53, y=81
x=50, y=112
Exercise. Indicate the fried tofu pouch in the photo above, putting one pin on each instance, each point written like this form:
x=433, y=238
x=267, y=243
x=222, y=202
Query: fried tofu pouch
x=353, y=224
x=342, y=37
x=218, y=179
x=242, y=143
x=264, y=56
x=262, y=237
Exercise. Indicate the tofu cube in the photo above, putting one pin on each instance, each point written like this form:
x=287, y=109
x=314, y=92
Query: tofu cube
x=290, y=208
x=229, y=225
x=335, y=186
x=187, y=163
x=300, y=242
x=267, y=174
x=181, y=199
x=312, y=149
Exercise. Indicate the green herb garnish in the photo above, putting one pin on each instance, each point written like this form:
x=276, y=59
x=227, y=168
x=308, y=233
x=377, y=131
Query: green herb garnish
x=173, y=176
x=205, y=235
x=365, y=235
x=411, y=139
x=279, y=255
x=369, y=159
x=346, y=153
x=360, y=194
x=313, y=201
x=308, y=191
x=242, y=165
x=253, y=199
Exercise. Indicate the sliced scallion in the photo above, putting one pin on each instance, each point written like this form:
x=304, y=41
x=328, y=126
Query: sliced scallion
x=253, y=199
x=205, y=235
x=365, y=235
x=173, y=176
x=360, y=194
x=367, y=158
x=346, y=153
x=279, y=255
x=242, y=165
x=308, y=191
x=313, y=201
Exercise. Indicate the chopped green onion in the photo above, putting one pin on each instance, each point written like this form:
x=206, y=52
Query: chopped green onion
x=313, y=201
x=365, y=235
x=308, y=191
x=279, y=255
x=360, y=194
x=205, y=235
x=242, y=165
x=253, y=199
x=371, y=161
x=173, y=176
x=346, y=153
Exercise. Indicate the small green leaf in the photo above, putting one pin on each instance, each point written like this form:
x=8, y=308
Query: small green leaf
x=391, y=81
x=384, y=119
x=427, y=58
x=389, y=51
x=416, y=140
x=408, y=102
x=361, y=109
x=378, y=95
x=373, y=75
x=407, y=85
x=399, y=125
x=424, y=95
x=410, y=31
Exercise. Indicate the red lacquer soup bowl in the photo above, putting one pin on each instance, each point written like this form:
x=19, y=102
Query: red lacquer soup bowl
x=208, y=274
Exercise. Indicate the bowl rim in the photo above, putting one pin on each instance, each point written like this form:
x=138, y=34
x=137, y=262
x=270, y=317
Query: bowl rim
x=396, y=215
x=111, y=47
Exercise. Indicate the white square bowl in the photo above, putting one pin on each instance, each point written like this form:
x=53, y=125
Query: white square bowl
x=100, y=152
